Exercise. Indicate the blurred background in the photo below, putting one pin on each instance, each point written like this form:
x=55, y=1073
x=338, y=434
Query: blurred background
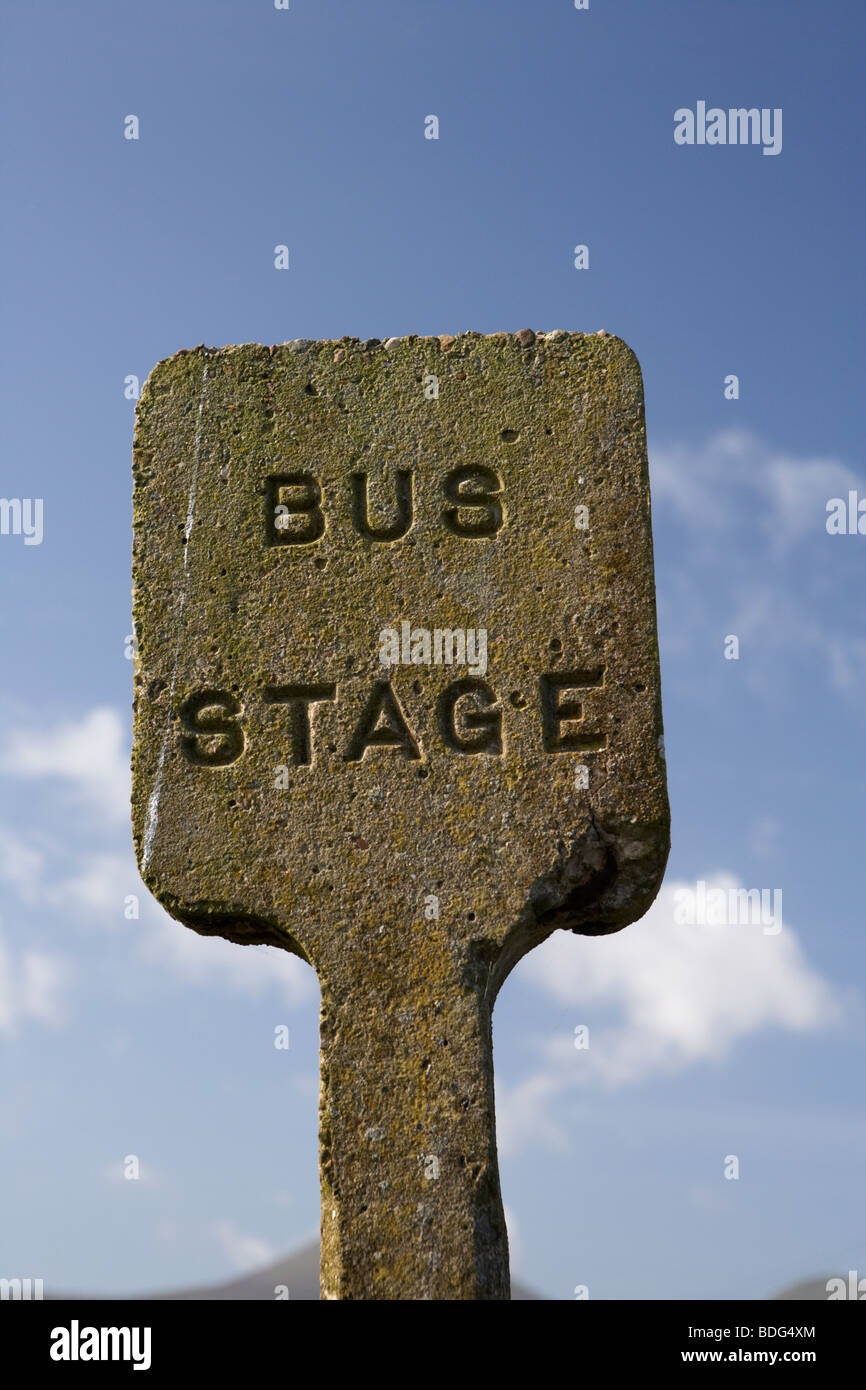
x=710, y=1141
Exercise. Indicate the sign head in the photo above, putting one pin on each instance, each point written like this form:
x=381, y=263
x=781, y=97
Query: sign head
x=395, y=616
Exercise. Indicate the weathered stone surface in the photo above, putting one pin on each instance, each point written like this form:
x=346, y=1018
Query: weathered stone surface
x=411, y=830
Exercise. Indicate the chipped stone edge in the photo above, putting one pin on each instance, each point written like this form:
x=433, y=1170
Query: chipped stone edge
x=523, y=337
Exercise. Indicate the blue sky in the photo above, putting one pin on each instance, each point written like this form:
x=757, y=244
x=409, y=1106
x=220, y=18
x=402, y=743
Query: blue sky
x=306, y=128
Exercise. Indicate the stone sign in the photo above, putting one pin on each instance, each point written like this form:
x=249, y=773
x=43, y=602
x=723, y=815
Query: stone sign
x=397, y=710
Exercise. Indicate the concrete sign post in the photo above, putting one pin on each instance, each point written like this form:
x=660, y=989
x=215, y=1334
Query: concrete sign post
x=397, y=710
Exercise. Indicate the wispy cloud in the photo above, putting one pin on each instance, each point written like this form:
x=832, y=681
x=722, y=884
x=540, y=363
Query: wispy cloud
x=22, y=866
x=94, y=886
x=684, y=995
x=742, y=548
x=97, y=894
x=90, y=756
x=32, y=985
x=787, y=494
x=212, y=961
x=244, y=1251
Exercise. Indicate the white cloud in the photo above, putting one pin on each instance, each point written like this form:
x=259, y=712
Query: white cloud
x=684, y=994
x=789, y=494
x=31, y=985
x=799, y=489
x=206, y=960
x=96, y=894
x=244, y=1252
x=525, y=1112
x=755, y=560
x=91, y=755
x=21, y=866
x=99, y=887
